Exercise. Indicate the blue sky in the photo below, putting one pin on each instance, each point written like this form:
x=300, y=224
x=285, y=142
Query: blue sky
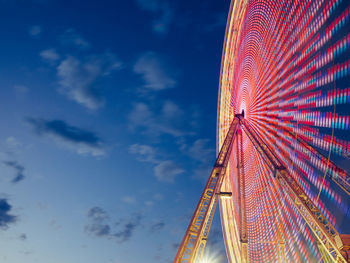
x=108, y=112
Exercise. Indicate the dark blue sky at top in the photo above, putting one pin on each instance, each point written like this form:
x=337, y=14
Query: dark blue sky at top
x=108, y=112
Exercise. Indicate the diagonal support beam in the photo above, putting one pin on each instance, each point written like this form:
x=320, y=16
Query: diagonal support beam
x=194, y=241
x=241, y=198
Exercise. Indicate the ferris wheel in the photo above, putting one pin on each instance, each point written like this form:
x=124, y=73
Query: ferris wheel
x=282, y=176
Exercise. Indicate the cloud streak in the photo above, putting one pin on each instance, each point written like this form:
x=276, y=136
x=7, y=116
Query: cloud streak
x=156, y=227
x=79, y=80
x=145, y=153
x=5, y=217
x=23, y=237
x=71, y=38
x=35, y=31
x=127, y=229
x=19, y=169
x=168, y=120
x=100, y=226
x=154, y=72
x=50, y=55
x=161, y=10
x=166, y=171
x=82, y=141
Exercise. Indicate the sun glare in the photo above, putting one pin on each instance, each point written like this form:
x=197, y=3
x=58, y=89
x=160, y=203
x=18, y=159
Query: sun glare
x=211, y=257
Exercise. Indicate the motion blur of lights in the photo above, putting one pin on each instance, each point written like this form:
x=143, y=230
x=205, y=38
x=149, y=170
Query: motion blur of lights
x=287, y=64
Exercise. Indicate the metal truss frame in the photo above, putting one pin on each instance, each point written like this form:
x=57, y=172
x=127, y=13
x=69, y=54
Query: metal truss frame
x=194, y=241
x=333, y=246
x=243, y=235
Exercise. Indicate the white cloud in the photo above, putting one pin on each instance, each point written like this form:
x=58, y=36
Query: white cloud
x=170, y=110
x=162, y=10
x=169, y=120
x=129, y=200
x=35, y=31
x=80, y=148
x=84, y=149
x=78, y=79
x=166, y=171
x=158, y=197
x=71, y=38
x=50, y=55
x=145, y=153
x=149, y=203
x=12, y=142
x=154, y=72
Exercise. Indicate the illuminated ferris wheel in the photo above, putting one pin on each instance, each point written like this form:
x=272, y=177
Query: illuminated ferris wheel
x=282, y=173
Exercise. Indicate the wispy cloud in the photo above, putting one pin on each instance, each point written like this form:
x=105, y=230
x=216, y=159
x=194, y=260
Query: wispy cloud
x=23, y=237
x=163, y=12
x=166, y=120
x=50, y=55
x=19, y=169
x=98, y=230
x=100, y=225
x=169, y=120
x=5, y=217
x=79, y=79
x=127, y=229
x=145, y=153
x=71, y=38
x=166, y=171
x=129, y=200
x=35, y=31
x=155, y=72
x=97, y=214
x=82, y=141
x=12, y=142
x=156, y=227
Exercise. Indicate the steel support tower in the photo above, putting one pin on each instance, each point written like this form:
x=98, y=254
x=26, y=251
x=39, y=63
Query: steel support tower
x=333, y=246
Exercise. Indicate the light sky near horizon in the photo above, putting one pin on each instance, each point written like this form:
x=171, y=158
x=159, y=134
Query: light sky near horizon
x=108, y=113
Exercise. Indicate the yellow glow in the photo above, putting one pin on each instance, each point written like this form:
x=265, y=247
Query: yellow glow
x=211, y=257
